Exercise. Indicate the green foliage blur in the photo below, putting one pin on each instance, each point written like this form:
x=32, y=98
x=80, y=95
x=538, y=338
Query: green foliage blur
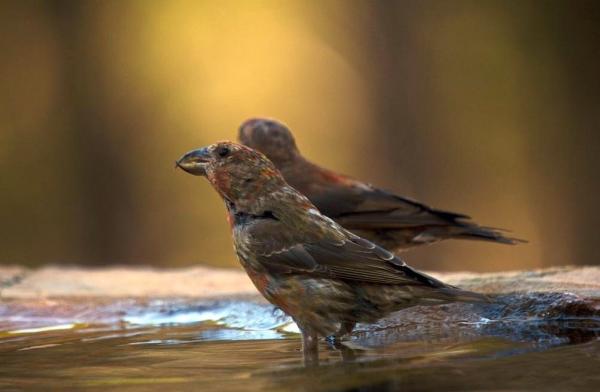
x=490, y=108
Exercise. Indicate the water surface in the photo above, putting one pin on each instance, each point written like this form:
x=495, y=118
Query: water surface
x=244, y=344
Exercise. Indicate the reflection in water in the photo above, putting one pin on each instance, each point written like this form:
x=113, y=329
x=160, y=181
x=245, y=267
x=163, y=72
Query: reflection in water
x=246, y=345
x=237, y=314
x=43, y=329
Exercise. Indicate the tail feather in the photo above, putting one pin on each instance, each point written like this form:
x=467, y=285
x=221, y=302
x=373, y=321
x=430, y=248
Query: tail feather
x=461, y=227
x=443, y=291
x=449, y=294
x=455, y=294
x=474, y=232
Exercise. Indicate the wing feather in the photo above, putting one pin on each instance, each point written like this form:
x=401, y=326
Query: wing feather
x=353, y=258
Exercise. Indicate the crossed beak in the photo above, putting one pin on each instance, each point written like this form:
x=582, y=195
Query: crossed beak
x=194, y=162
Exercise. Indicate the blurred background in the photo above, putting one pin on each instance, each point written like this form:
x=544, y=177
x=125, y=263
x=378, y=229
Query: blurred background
x=489, y=108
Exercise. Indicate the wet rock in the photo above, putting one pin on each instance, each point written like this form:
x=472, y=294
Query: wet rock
x=548, y=307
x=52, y=282
x=204, y=282
x=200, y=326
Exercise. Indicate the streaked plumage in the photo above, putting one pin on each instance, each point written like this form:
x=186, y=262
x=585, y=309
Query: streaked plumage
x=325, y=277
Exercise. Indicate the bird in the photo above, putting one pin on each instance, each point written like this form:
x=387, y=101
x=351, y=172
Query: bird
x=322, y=275
x=392, y=221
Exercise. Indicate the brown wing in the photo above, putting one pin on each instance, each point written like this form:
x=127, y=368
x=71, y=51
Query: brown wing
x=372, y=208
x=351, y=258
x=359, y=205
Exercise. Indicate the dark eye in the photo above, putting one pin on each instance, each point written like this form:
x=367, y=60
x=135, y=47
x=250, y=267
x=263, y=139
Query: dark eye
x=223, y=151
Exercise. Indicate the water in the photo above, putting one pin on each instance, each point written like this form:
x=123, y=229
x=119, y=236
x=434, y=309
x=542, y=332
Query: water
x=526, y=342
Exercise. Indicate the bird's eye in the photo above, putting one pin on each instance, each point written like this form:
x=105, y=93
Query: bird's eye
x=223, y=151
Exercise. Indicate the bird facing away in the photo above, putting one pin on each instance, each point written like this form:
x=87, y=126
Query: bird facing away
x=389, y=220
x=325, y=277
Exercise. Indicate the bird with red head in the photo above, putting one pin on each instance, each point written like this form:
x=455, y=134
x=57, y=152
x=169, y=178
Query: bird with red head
x=325, y=277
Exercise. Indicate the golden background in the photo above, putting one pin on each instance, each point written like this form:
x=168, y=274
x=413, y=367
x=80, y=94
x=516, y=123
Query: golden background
x=490, y=108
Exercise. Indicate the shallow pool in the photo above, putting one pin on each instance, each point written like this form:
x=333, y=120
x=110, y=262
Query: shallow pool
x=245, y=344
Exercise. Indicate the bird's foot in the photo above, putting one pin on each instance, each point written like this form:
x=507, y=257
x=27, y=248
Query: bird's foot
x=333, y=342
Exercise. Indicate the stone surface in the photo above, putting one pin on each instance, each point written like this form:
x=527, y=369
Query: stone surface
x=120, y=325
x=550, y=306
x=204, y=282
x=52, y=282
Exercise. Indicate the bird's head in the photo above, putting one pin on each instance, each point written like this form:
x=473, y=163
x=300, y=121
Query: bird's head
x=270, y=137
x=240, y=174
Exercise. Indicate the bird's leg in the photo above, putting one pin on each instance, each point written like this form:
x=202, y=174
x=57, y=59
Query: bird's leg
x=310, y=348
x=334, y=341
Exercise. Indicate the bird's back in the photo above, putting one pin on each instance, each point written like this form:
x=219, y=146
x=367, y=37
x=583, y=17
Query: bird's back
x=348, y=276
x=394, y=221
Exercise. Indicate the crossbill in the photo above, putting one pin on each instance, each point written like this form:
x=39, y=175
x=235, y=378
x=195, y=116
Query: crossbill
x=322, y=275
x=392, y=221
